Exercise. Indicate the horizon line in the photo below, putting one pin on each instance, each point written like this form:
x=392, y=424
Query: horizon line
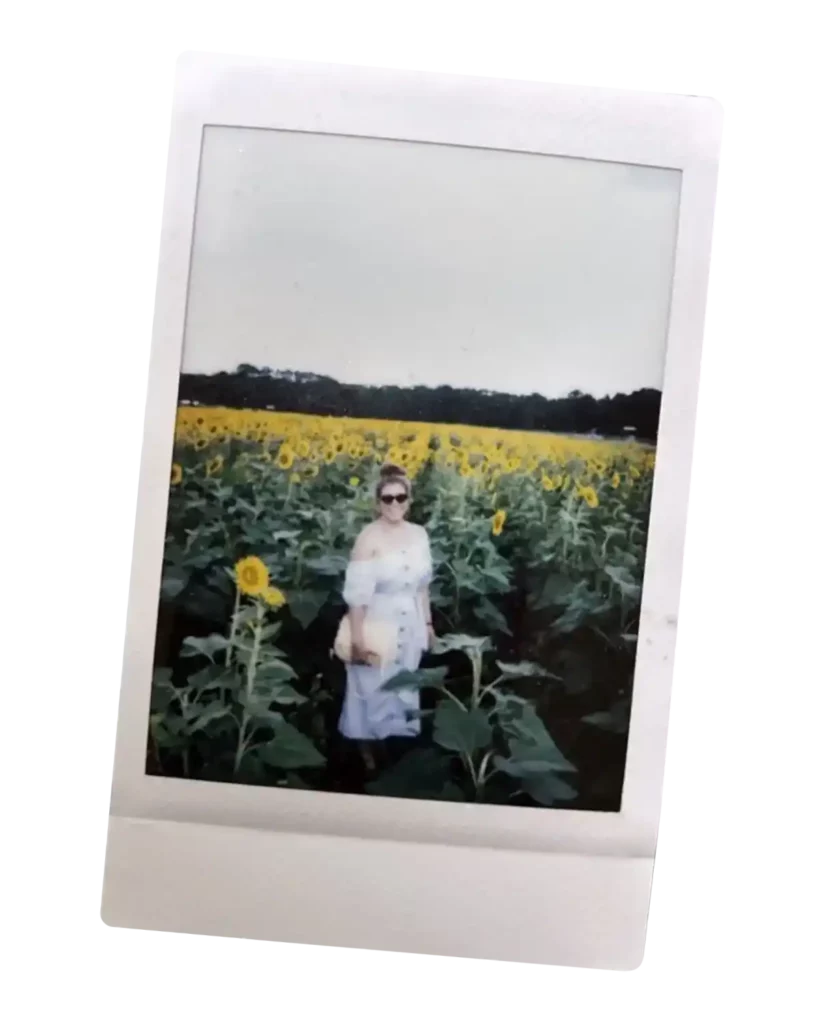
x=269, y=371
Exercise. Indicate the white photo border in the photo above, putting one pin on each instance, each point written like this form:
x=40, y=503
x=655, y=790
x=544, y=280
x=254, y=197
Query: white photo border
x=658, y=130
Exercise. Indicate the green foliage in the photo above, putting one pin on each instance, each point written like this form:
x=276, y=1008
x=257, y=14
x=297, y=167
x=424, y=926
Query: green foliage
x=423, y=774
x=463, y=730
x=290, y=749
x=508, y=719
x=236, y=701
x=482, y=732
x=614, y=720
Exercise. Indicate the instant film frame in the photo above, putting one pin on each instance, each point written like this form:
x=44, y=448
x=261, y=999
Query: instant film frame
x=557, y=886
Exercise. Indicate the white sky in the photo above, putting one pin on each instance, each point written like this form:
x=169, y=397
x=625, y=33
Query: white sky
x=390, y=262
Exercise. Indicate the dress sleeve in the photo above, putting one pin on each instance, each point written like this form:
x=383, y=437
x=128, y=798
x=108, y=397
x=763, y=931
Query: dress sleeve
x=359, y=583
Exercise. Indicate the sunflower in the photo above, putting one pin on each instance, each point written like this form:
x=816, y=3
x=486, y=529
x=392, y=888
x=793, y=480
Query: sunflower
x=286, y=457
x=589, y=495
x=311, y=472
x=498, y=519
x=635, y=472
x=548, y=483
x=251, y=576
x=274, y=597
x=214, y=465
x=615, y=480
x=354, y=481
x=295, y=478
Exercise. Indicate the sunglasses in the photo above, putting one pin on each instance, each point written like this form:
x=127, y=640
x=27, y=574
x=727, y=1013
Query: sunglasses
x=388, y=499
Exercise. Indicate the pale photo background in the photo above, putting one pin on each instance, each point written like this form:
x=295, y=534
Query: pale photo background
x=249, y=55
x=383, y=262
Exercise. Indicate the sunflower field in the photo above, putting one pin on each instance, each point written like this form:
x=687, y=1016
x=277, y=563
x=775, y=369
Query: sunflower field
x=538, y=545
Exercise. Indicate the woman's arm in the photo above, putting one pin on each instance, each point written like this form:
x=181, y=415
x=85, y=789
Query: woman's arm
x=360, y=553
x=357, y=633
x=425, y=606
x=427, y=613
x=423, y=594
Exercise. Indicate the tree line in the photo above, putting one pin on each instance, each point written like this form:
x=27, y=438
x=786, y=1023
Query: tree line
x=249, y=387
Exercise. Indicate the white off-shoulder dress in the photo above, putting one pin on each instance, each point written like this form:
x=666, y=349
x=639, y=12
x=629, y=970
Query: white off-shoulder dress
x=389, y=587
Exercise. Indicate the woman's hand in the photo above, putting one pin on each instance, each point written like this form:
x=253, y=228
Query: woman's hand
x=360, y=655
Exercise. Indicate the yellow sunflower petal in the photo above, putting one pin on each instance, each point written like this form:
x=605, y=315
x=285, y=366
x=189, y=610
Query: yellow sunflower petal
x=252, y=576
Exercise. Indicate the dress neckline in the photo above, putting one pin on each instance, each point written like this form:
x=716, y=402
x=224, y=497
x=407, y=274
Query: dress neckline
x=406, y=550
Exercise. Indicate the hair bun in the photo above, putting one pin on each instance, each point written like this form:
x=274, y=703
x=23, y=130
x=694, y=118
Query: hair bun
x=390, y=469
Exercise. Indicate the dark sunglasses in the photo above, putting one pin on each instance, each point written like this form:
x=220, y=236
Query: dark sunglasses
x=388, y=499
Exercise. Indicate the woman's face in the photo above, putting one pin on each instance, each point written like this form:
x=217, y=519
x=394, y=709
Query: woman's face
x=393, y=503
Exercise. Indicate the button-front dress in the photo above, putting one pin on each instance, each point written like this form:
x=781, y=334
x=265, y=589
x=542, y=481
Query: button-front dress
x=389, y=587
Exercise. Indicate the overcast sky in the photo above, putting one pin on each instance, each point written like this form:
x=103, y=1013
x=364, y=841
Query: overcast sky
x=404, y=263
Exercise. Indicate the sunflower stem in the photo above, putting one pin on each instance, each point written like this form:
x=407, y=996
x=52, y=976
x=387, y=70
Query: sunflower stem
x=477, y=669
x=251, y=678
x=234, y=625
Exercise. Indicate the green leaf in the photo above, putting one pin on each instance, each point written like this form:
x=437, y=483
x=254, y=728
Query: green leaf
x=327, y=565
x=531, y=747
x=211, y=713
x=491, y=616
x=200, y=561
x=268, y=717
x=273, y=671
x=169, y=732
x=246, y=615
x=423, y=677
x=460, y=642
x=174, y=581
x=305, y=605
x=207, y=678
x=569, y=621
x=421, y=774
x=528, y=760
x=548, y=789
x=462, y=730
x=208, y=645
x=290, y=749
x=556, y=591
x=262, y=714
x=284, y=693
x=493, y=573
x=461, y=567
x=525, y=670
x=521, y=721
x=624, y=580
x=162, y=690
x=614, y=720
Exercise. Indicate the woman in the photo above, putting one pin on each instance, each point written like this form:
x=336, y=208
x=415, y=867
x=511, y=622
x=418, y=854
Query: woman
x=388, y=580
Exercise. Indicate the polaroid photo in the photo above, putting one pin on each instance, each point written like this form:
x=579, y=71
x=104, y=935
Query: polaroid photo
x=411, y=511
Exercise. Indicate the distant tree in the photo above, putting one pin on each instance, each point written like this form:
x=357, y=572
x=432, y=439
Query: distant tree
x=295, y=391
